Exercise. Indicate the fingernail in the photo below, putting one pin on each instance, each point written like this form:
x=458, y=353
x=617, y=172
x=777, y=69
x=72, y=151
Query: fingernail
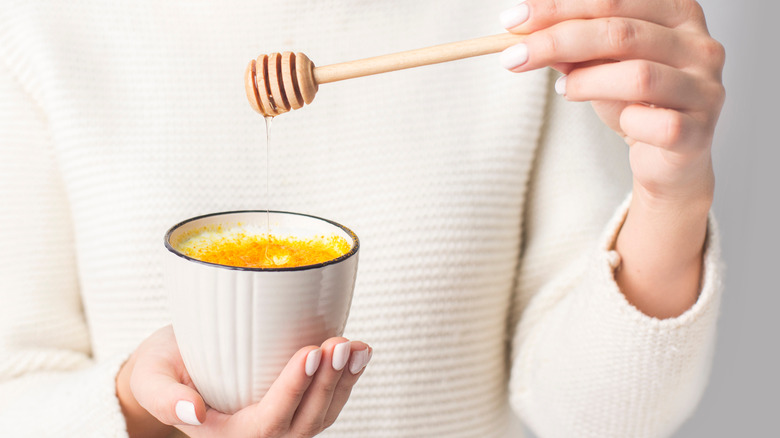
x=358, y=361
x=560, y=85
x=368, y=357
x=514, y=16
x=340, y=355
x=514, y=56
x=313, y=361
x=185, y=410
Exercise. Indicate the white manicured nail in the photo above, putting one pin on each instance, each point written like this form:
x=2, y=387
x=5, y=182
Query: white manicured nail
x=514, y=16
x=358, y=361
x=340, y=355
x=313, y=361
x=514, y=56
x=185, y=410
x=560, y=85
x=368, y=357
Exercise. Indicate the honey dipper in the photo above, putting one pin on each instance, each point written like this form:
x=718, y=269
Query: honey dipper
x=279, y=82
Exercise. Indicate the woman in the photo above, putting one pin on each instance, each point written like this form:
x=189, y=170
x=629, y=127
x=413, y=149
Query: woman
x=500, y=253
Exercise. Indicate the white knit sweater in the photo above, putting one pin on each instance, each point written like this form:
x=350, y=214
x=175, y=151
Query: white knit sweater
x=486, y=207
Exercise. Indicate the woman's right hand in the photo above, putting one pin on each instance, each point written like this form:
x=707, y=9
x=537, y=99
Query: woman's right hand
x=156, y=392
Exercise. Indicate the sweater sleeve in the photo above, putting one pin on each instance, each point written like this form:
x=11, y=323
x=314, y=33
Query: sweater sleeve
x=49, y=384
x=585, y=362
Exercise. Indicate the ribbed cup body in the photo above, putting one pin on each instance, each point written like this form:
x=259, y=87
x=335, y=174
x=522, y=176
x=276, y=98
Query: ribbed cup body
x=237, y=328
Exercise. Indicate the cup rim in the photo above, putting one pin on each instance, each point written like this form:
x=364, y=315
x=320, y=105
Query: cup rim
x=339, y=259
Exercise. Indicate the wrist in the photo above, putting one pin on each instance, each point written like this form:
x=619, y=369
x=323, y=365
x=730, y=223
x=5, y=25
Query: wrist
x=661, y=244
x=140, y=423
x=657, y=227
x=689, y=191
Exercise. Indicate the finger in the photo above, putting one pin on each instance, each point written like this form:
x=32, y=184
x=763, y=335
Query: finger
x=158, y=387
x=281, y=401
x=532, y=15
x=578, y=41
x=567, y=67
x=359, y=358
x=610, y=111
x=640, y=81
x=660, y=127
x=310, y=417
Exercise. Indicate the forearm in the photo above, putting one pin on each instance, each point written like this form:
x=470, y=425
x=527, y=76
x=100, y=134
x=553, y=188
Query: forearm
x=661, y=245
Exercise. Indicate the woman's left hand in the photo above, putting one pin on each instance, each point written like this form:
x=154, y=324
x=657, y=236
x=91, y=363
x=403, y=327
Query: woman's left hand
x=652, y=72
x=653, y=75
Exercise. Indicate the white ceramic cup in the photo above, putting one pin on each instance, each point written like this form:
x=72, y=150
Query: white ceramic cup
x=237, y=327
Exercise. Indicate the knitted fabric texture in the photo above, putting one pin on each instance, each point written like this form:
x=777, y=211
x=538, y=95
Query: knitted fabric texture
x=485, y=204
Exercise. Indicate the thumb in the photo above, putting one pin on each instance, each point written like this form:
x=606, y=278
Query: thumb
x=157, y=386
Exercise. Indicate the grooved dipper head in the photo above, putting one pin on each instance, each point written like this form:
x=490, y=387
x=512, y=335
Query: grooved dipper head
x=279, y=82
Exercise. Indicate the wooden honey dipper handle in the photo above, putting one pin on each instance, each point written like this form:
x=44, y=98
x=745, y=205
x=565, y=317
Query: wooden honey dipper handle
x=415, y=58
x=281, y=82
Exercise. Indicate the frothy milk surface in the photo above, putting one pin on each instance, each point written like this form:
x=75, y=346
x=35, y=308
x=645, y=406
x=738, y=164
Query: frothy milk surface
x=249, y=246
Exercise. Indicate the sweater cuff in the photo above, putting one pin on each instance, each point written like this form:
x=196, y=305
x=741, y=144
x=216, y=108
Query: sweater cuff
x=607, y=260
x=590, y=364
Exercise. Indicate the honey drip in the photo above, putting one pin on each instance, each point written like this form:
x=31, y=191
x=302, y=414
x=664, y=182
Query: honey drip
x=268, y=120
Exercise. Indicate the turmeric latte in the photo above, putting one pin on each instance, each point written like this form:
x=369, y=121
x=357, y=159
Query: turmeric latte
x=250, y=247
